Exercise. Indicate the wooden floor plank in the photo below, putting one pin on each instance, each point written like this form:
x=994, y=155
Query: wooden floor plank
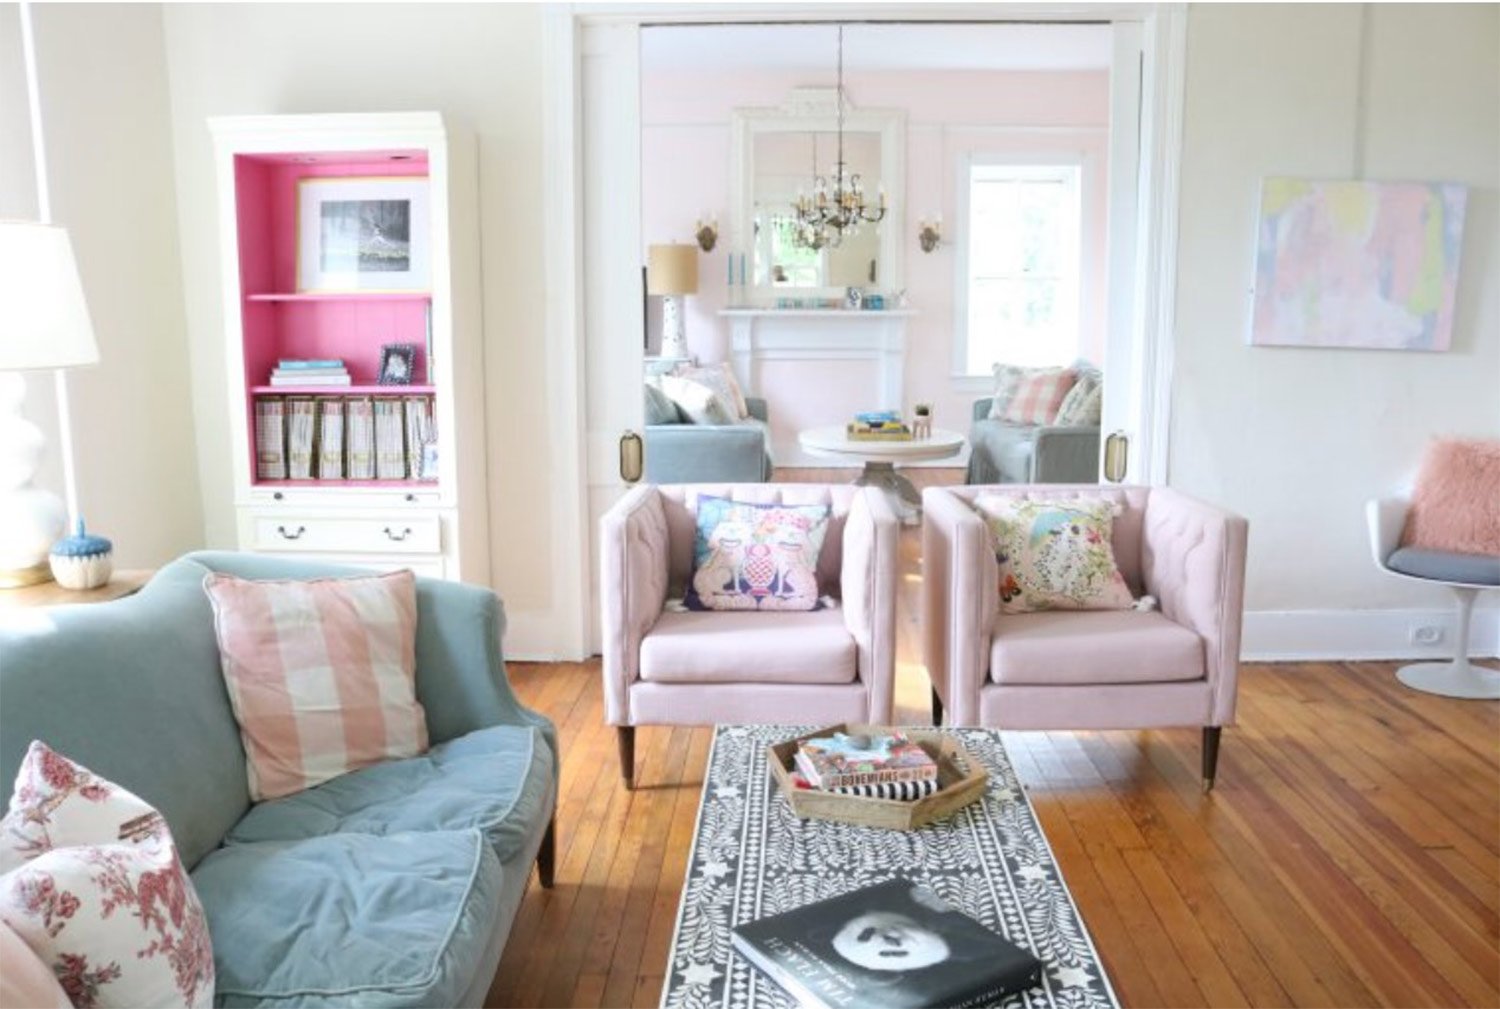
x=1349, y=854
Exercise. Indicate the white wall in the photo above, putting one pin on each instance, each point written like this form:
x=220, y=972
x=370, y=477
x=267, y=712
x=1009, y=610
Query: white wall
x=481, y=67
x=1298, y=439
x=102, y=70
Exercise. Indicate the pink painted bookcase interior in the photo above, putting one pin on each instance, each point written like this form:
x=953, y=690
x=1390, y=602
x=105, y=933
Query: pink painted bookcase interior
x=278, y=321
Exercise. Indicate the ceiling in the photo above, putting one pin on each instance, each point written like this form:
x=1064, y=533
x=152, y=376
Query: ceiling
x=813, y=47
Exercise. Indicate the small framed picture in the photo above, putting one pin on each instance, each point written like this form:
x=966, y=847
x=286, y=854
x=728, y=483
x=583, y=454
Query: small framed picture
x=363, y=234
x=398, y=364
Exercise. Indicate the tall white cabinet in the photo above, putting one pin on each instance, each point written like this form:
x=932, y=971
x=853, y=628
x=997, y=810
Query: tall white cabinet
x=338, y=235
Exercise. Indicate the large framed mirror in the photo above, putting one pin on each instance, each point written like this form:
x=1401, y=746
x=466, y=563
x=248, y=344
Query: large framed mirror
x=777, y=153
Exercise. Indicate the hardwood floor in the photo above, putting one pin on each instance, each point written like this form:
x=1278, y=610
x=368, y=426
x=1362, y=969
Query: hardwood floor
x=1349, y=854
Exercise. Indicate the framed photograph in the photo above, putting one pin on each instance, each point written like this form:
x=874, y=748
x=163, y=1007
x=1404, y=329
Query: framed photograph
x=363, y=234
x=398, y=364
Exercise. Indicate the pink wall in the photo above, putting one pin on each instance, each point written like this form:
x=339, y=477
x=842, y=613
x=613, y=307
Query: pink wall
x=685, y=150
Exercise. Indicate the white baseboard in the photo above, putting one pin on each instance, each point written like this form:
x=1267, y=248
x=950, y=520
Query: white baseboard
x=1303, y=635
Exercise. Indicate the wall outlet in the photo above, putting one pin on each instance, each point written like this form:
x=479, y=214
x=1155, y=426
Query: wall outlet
x=1427, y=634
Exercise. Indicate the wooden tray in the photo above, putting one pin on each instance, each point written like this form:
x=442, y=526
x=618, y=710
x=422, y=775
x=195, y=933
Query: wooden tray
x=961, y=780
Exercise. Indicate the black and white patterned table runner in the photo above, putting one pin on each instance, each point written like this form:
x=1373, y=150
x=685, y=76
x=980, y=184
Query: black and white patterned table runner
x=751, y=858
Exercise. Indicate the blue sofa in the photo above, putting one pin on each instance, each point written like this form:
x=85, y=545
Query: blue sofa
x=1002, y=452
x=391, y=886
x=679, y=451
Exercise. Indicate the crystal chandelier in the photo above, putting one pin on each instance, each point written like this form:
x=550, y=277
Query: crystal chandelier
x=837, y=206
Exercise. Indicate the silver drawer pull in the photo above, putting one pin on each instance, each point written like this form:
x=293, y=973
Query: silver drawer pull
x=291, y=536
x=397, y=537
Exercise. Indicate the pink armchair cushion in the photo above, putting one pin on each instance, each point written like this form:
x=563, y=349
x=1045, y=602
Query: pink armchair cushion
x=1103, y=646
x=679, y=503
x=749, y=647
x=756, y=556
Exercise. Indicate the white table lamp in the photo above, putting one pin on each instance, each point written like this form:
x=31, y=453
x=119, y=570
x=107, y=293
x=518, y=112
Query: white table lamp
x=44, y=324
x=672, y=271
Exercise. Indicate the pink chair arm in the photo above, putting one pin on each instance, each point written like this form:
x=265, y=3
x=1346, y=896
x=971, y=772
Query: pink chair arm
x=867, y=581
x=632, y=588
x=1193, y=559
x=960, y=601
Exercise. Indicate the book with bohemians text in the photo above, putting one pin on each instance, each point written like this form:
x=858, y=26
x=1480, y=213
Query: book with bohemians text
x=846, y=760
x=894, y=945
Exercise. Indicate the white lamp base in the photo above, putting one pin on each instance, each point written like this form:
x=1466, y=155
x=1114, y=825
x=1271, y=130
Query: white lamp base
x=673, y=331
x=31, y=519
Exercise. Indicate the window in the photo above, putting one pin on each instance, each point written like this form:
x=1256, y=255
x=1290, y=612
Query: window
x=1019, y=285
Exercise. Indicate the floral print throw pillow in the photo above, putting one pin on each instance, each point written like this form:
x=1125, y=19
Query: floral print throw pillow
x=756, y=556
x=1055, y=555
x=95, y=888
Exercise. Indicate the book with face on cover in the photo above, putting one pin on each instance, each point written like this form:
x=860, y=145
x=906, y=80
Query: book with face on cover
x=844, y=760
x=894, y=945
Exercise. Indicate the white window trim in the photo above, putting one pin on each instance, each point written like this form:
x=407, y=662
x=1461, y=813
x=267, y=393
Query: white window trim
x=962, y=378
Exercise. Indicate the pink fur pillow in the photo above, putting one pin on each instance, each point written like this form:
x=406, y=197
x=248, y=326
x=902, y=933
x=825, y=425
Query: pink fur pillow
x=1456, y=503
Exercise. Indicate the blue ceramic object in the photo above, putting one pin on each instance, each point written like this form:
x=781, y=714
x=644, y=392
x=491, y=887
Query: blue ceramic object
x=82, y=561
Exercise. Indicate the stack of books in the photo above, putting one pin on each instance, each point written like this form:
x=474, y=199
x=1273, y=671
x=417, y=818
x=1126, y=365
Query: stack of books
x=894, y=945
x=876, y=766
x=298, y=371
x=879, y=425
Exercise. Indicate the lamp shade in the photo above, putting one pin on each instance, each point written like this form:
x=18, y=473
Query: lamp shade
x=44, y=321
x=672, y=269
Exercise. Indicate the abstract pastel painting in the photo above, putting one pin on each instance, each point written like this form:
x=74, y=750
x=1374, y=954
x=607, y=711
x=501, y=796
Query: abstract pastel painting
x=1357, y=264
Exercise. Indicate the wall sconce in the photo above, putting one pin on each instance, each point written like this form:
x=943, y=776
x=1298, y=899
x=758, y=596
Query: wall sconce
x=930, y=233
x=707, y=234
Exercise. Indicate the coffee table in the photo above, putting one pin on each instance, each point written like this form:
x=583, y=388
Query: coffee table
x=880, y=459
x=751, y=857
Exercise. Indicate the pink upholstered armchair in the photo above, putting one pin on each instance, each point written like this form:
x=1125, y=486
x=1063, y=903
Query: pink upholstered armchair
x=1176, y=666
x=663, y=666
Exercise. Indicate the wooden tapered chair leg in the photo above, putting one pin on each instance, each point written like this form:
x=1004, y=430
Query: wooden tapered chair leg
x=546, y=855
x=1210, y=754
x=625, y=736
x=937, y=708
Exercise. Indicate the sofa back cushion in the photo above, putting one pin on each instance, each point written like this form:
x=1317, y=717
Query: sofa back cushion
x=680, y=502
x=1128, y=525
x=132, y=690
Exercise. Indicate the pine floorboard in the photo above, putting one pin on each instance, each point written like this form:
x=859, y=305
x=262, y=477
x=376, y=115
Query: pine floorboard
x=1349, y=854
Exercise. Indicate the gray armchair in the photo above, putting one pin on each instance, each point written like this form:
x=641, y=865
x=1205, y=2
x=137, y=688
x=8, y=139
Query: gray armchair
x=1029, y=453
x=682, y=452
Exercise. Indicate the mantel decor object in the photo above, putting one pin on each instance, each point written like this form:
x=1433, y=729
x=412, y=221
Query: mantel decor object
x=672, y=273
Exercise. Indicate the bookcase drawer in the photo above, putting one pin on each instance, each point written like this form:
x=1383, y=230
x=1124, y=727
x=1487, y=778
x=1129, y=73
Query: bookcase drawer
x=367, y=534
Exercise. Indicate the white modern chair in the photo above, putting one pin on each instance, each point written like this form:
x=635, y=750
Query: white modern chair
x=1465, y=574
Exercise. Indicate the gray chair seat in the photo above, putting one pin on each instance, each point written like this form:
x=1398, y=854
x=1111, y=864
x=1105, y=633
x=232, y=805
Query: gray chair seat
x=497, y=779
x=350, y=919
x=1445, y=566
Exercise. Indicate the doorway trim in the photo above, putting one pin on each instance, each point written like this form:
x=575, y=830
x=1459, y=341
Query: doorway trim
x=1164, y=29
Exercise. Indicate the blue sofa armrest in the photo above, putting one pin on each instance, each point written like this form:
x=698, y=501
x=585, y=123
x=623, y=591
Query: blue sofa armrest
x=1065, y=455
x=461, y=679
x=703, y=453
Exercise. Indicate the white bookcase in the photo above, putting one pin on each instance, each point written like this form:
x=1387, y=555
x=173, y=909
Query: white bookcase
x=432, y=519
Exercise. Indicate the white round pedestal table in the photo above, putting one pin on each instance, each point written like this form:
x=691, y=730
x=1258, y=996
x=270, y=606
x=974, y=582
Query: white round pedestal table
x=881, y=458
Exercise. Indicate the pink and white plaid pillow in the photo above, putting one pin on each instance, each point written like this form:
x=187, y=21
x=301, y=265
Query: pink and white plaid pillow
x=1039, y=394
x=321, y=674
x=95, y=889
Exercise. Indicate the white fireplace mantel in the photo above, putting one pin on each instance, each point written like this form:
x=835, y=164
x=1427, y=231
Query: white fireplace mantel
x=822, y=334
